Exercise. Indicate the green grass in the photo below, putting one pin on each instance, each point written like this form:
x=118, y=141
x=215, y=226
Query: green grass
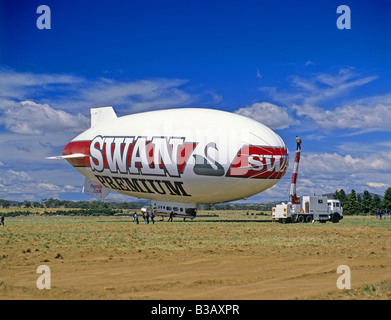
x=377, y=291
x=228, y=230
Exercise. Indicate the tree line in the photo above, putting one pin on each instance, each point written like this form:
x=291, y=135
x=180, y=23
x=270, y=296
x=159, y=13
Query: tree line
x=352, y=203
x=364, y=203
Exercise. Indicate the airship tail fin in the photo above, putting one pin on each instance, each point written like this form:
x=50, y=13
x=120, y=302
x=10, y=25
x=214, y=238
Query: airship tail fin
x=95, y=190
x=103, y=114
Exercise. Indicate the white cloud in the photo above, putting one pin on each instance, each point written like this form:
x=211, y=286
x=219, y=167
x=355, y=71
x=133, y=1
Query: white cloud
x=19, y=114
x=315, y=98
x=268, y=114
x=69, y=188
x=324, y=86
x=11, y=176
x=28, y=117
x=374, y=114
x=49, y=187
x=314, y=164
x=22, y=85
x=58, y=96
x=20, y=185
x=136, y=96
x=377, y=184
x=326, y=172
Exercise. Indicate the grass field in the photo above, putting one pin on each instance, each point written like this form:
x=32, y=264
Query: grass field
x=230, y=256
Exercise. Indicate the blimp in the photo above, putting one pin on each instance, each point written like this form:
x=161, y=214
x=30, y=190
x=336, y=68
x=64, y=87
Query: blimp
x=177, y=158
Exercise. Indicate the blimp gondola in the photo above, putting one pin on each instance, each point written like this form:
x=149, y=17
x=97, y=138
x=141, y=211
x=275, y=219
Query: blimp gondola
x=177, y=158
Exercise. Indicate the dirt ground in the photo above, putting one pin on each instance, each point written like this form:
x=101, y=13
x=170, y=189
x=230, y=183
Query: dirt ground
x=226, y=257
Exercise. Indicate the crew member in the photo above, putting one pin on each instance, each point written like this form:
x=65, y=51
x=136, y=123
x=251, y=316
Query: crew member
x=135, y=217
x=298, y=143
x=171, y=215
x=145, y=220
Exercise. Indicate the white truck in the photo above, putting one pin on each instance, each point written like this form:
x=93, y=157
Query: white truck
x=306, y=208
x=309, y=209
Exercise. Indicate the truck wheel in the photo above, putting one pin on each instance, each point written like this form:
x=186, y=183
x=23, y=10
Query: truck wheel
x=300, y=219
x=308, y=218
x=335, y=218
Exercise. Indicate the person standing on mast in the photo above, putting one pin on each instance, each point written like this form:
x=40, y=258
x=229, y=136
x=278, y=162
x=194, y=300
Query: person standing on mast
x=298, y=143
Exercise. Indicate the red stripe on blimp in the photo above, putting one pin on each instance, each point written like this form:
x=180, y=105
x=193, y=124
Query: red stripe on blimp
x=83, y=147
x=259, y=162
x=74, y=147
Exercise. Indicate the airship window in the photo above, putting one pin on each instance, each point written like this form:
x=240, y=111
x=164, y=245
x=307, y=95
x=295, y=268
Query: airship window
x=175, y=208
x=181, y=209
x=168, y=208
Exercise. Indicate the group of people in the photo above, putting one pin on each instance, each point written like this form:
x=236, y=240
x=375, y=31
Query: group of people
x=145, y=216
x=380, y=212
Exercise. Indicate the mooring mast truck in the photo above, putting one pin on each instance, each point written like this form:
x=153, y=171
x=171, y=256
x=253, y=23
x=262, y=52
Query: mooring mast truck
x=306, y=208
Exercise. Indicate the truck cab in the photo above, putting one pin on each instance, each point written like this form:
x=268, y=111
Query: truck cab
x=335, y=209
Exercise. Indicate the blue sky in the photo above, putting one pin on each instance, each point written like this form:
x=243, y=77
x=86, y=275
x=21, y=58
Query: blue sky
x=283, y=63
